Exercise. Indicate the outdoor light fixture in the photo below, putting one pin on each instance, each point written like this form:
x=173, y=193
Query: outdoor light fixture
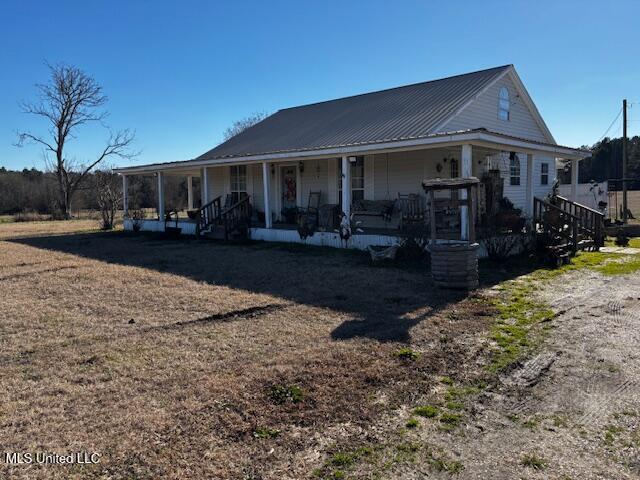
x=512, y=155
x=301, y=166
x=273, y=169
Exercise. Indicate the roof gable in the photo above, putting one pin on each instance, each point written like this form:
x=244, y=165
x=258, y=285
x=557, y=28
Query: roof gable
x=482, y=111
x=401, y=113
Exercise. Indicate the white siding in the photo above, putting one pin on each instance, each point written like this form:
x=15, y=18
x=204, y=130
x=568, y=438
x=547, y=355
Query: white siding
x=217, y=177
x=518, y=193
x=483, y=113
x=257, y=187
x=540, y=190
x=314, y=179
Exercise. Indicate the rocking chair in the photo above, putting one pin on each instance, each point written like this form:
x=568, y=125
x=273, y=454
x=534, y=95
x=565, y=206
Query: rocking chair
x=412, y=210
x=310, y=213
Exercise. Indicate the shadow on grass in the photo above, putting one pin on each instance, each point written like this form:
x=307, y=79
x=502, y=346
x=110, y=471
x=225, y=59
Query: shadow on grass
x=384, y=303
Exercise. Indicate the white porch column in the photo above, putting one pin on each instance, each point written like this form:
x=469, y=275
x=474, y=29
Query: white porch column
x=160, y=196
x=346, y=186
x=204, y=183
x=125, y=197
x=466, y=162
x=529, y=190
x=190, y=192
x=266, y=188
x=574, y=180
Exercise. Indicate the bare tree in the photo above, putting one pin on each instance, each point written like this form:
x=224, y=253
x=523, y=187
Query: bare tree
x=70, y=100
x=109, y=196
x=241, y=125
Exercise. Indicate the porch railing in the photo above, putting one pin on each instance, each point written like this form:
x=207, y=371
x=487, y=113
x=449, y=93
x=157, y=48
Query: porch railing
x=209, y=214
x=590, y=221
x=575, y=224
x=236, y=217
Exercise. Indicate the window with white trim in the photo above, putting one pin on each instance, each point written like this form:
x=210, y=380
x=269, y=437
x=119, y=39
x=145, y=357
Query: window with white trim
x=514, y=170
x=544, y=174
x=503, y=104
x=238, y=182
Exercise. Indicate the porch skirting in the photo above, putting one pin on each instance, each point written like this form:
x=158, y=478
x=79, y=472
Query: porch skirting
x=359, y=241
x=152, y=225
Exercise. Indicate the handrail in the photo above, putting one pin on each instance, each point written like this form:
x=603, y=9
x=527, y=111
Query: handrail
x=580, y=219
x=235, y=215
x=208, y=214
x=580, y=206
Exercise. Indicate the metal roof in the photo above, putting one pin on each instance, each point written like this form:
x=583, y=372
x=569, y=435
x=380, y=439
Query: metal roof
x=408, y=112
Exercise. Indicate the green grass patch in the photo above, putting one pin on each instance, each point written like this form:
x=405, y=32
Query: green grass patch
x=406, y=353
x=412, y=423
x=450, y=420
x=610, y=434
x=454, y=405
x=428, y=411
x=265, y=432
x=532, y=460
x=447, y=380
x=285, y=393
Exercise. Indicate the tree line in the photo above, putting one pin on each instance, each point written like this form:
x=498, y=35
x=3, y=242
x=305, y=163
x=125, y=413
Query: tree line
x=35, y=191
x=605, y=163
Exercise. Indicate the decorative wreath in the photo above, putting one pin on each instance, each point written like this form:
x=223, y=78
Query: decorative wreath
x=290, y=189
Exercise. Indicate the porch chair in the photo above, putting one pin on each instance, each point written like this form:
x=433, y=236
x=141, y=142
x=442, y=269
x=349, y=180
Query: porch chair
x=412, y=210
x=310, y=213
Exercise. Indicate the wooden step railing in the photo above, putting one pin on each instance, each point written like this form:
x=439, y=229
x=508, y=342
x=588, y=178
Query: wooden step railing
x=236, y=217
x=590, y=221
x=571, y=222
x=209, y=214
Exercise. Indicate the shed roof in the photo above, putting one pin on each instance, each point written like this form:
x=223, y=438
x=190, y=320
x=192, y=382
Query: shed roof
x=401, y=113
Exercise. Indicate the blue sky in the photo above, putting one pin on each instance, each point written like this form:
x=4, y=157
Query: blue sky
x=179, y=72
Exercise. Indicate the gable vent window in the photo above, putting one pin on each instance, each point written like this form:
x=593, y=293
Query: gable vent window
x=514, y=169
x=503, y=104
x=544, y=174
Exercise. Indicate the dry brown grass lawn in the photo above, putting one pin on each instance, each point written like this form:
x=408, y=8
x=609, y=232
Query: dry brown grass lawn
x=161, y=355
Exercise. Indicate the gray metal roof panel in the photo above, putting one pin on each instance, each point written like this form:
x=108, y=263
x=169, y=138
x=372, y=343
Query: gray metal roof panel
x=411, y=111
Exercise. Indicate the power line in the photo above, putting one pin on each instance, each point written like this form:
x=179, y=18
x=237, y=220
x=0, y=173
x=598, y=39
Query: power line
x=614, y=121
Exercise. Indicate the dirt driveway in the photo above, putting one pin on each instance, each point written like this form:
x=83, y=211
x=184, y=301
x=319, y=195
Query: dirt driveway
x=573, y=411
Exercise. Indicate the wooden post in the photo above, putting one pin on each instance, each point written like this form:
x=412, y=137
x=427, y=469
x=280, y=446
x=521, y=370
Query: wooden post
x=465, y=171
x=432, y=216
x=125, y=197
x=624, y=161
x=266, y=188
x=472, y=216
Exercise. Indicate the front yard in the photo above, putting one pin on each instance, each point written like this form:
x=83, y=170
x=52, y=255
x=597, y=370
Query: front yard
x=194, y=359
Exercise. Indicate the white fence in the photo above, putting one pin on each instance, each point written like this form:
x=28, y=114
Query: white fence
x=589, y=194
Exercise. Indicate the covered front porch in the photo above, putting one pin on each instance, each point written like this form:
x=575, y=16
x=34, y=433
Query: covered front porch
x=379, y=187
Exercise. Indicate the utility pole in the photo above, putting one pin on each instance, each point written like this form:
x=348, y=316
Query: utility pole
x=624, y=160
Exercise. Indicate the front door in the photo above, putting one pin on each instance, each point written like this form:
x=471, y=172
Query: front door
x=289, y=192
